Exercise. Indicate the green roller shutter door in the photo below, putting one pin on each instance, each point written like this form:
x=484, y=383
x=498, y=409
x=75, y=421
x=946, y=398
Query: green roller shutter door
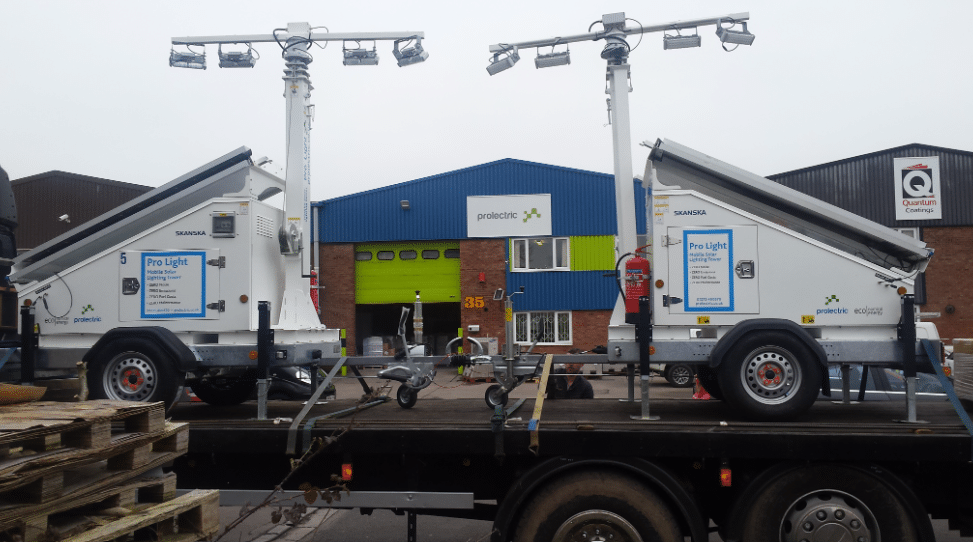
x=392, y=272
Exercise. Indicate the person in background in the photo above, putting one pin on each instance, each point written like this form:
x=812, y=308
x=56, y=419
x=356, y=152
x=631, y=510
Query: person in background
x=568, y=383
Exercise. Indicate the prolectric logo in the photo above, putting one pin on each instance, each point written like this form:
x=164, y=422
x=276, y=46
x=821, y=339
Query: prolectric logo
x=86, y=309
x=834, y=310
x=533, y=212
x=828, y=300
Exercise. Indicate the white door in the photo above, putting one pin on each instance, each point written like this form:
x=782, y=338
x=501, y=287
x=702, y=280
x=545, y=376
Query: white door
x=169, y=285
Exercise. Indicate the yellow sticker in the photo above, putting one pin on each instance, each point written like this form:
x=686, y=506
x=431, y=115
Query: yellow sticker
x=509, y=314
x=702, y=320
x=807, y=319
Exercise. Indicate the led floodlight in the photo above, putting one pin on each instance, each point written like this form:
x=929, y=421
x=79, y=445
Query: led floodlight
x=187, y=59
x=237, y=59
x=498, y=64
x=552, y=59
x=735, y=37
x=359, y=56
x=410, y=55
x=681, y=42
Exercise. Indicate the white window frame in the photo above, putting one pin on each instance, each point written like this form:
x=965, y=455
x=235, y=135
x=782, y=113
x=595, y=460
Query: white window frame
x=523, y=245
x=526, y=336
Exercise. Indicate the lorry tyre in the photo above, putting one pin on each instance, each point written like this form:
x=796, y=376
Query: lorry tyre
x=707, y=379
x=597, y=505
x=134, y=370
x=827, y=502
x=225, y=391
x=679, y=375
x=494, y=397
x=406, y=396
x=769, y=376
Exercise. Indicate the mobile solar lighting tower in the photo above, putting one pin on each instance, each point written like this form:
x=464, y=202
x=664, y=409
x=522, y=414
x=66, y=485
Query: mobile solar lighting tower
x=297, y=310
x=623, y=346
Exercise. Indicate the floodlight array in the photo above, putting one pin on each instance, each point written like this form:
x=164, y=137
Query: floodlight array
x=734, y=37
x=359, y=56
x=237, y=59
x=408, y=56
x=187, y=59
x=501, y=61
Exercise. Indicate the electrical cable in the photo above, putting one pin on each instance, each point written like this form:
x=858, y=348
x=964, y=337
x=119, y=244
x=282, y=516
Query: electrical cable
x=43, y=298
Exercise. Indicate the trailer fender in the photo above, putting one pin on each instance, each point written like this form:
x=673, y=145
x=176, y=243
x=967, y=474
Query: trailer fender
x=732, y=531
x=654, y=476
x=161, y=337
x=726, y=343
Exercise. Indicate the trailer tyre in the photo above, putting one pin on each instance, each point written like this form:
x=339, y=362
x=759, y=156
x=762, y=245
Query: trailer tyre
x=406, y=396
x=770, y=376
x=827, y=502
x=586, y=506
x=679, y=375
x=495, y=397
x=134, y=370
x=225, y=391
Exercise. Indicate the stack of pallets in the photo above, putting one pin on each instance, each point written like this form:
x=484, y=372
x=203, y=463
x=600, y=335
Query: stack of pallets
x=963, y=370
x=92, y=471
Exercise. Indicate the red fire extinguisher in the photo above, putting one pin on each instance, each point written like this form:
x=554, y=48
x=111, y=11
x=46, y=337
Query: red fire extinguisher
x=314, y=290
x=636, y=284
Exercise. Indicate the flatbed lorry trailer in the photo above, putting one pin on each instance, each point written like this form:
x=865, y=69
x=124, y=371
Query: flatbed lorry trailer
x=594, y=470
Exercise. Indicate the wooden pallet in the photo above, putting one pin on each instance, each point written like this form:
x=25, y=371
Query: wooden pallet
x=46, y=425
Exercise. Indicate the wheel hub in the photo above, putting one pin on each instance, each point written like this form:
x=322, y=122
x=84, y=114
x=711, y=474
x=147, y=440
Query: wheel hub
x=771, y=375
x=597, y=526
x=130, y=379
x=829, y=516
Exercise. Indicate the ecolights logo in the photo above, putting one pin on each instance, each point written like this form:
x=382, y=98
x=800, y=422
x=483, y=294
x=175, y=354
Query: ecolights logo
x=917, y=189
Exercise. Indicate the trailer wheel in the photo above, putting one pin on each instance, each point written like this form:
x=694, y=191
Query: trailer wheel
x=494, y=397
x=707, y=377
x=679, y=375
x=770, y=376
x=406, y=396
x=828, y=502
x=225, y=391
x=134, y=371
x=587, y=506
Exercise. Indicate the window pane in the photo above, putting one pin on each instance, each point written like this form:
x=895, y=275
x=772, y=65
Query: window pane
x=520, y=254
x=562, y=253
x=407, y=254
x=363, y=256
x=430, y=254
x=451, y=253
x=563, y=327
x=542, y=323
x=520, y=323
x=385, y=255
x=540, y=254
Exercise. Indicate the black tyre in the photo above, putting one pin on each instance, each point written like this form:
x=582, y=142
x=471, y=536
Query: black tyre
x=707, y=378
x=494, y=397
x=770, y=376
x=680, y=375
x=225, y=391
x=406, y=396
x=134, y=370
x=587, y=506
x=827, y=502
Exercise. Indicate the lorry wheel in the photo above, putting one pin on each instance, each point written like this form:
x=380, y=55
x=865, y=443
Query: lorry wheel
x=597, y=505
x=679, y=375
x=827, y=502
x=494, y=397
x=406, y=396
x=707, y=378
x=224, y=391
x=770, y=376
x=135, y=371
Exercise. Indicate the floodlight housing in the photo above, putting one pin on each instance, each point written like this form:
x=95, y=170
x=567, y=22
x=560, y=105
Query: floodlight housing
x=360, y=57
x=681, y=42
x=237, y=59
x=187, y=59
x=410, y=55
x=552, y=59
x=498, y=64
x=735, y=37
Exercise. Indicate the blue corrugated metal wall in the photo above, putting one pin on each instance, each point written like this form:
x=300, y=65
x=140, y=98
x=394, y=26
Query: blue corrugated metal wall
x=583, y=203
x=563, y=291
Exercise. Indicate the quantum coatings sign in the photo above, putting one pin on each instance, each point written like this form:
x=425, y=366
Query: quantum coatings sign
x=523, y=215
x=917, y=189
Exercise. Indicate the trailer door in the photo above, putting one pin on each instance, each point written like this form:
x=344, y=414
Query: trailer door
x=169, y=285
x=713, y=270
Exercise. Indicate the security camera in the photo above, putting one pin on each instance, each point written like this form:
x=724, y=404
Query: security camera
x=64, y=218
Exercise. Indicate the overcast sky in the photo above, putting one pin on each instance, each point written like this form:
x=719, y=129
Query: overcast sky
x=86, y=87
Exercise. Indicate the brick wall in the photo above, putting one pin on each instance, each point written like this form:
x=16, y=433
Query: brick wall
x=486, y=256
x=949, y=280
x=336, y=274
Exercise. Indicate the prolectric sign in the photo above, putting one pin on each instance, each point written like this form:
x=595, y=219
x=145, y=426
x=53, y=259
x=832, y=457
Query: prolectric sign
x=521, y=215
x=917, y=189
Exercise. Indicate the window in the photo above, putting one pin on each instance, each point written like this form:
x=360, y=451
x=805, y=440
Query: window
x=451, y=253
x=386, y=255
x=407, y=254
x=430, y=254
x=363, y=256
x=541, y=254
x=552, y=327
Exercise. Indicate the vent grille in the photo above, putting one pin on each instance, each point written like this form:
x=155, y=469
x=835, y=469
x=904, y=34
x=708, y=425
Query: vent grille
x=265, y=226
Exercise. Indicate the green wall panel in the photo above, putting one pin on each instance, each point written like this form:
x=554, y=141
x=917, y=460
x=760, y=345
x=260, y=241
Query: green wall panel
x=593, y=253
x=396, y=280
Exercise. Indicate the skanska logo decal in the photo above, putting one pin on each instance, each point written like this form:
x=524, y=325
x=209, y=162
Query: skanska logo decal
x=690, y=212
x=190, y=232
